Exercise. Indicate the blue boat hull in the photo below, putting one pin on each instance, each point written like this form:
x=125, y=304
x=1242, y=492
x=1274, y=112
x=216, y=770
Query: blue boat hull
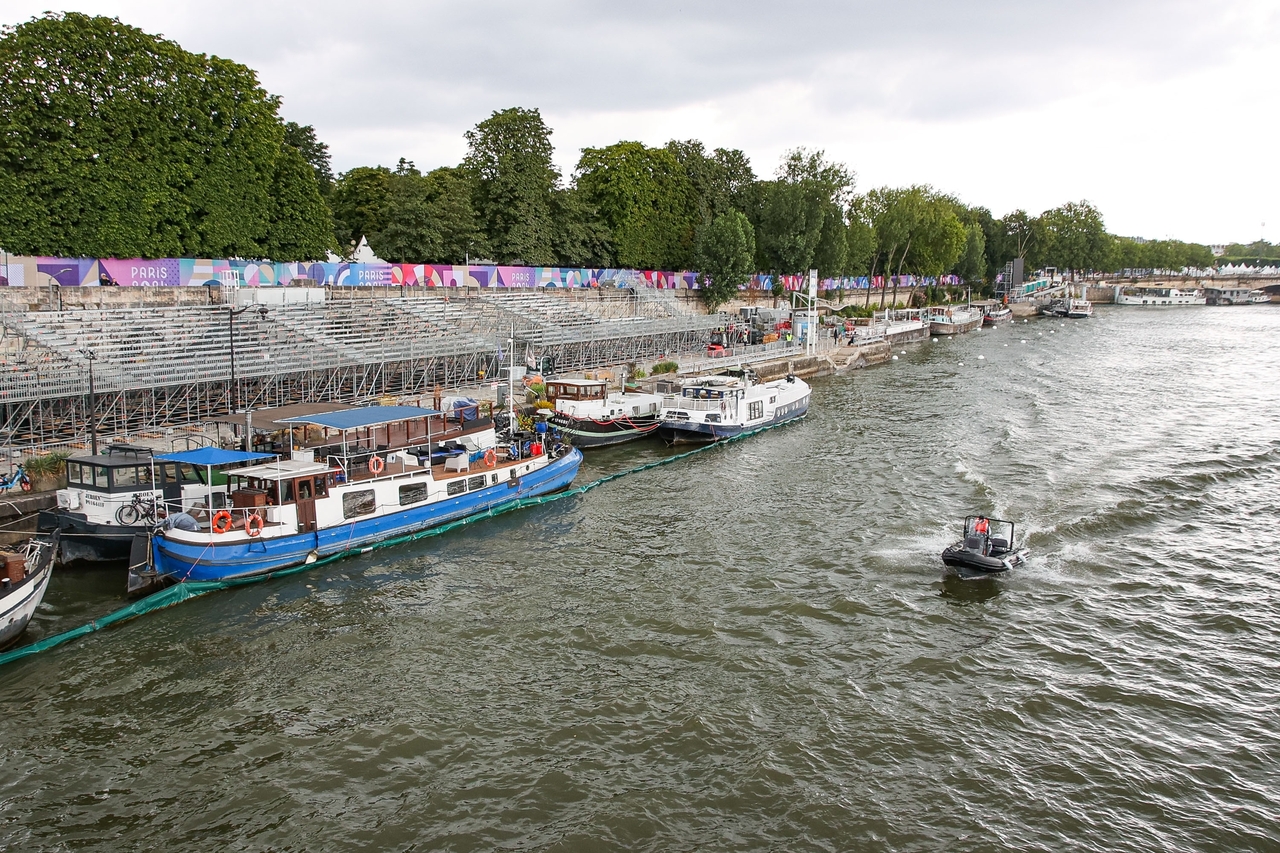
x=181, y=561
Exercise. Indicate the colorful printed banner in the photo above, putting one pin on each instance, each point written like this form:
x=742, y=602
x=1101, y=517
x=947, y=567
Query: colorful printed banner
x=200, y=272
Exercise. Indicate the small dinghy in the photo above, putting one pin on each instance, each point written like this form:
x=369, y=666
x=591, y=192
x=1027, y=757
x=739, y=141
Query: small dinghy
x=988, y=548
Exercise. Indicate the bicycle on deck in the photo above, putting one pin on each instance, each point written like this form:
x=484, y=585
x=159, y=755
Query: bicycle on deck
x=141, y=508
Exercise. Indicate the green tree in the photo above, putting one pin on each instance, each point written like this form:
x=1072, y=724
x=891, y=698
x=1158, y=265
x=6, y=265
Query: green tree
x=301, y=228
x=917, y=231
x=409, y=233
x=725, y=255
x=509, y=157
x=831, y=255
x=581, y=237
x=450, y=193
x=1072, y=237
x=860, y=239
x=971, y=265
x=302, y=137
x=117, y=143
x=794, y=208
x=717, y=181
x=359, y=203
x=1019, y=237
x=1197, y=256
x=646, y=200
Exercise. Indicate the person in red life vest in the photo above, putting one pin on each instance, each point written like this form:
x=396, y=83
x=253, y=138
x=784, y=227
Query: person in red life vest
x=980, y=526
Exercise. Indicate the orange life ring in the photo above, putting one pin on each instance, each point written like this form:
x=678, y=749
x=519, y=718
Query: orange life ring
x=254, y=525
x=221, y=522
x=490, y=457
x=376, y=465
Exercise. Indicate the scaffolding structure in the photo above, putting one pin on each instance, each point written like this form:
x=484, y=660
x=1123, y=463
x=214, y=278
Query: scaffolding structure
x=154, y=369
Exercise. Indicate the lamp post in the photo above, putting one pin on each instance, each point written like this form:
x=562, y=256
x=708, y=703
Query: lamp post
x=89, y=356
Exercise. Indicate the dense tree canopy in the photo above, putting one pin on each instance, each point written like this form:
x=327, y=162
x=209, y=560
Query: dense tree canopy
x=646, y=199
x=509, y=158
x=114, y=142
x=808, y=193
x=725, y=257
x=118, y=143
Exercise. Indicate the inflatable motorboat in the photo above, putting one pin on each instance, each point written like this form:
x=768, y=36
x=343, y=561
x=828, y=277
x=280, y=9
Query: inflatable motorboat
x=988, y=548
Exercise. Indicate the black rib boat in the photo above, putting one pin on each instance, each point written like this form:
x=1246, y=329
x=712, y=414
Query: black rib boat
x=985, y=552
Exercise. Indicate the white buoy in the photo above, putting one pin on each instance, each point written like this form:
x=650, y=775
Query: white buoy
x=1024, y=340
x=962, y=364
x=935, y=340
x=1006, y=344
x=895, y=358
x=904, y=352
x=982, y=358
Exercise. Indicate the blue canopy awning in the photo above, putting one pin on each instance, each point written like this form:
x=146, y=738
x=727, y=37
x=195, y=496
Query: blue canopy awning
x=369, y=416
x=212, y=456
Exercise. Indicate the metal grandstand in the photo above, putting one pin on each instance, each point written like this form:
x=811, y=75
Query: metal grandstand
x=161, y=368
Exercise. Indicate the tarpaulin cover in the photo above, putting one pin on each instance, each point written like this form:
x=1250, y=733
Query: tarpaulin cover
x=369, y=416
x=213, y=456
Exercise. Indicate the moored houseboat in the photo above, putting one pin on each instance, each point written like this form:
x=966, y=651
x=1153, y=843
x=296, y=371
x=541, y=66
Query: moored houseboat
x=379, y=479
x=996, y=314
x=589, y=415
x=954, y=320
x=122, y=491
x=24, y=578
x=1233, y=295
x=1158, y=294
x=710, y=408
x=1079, y=309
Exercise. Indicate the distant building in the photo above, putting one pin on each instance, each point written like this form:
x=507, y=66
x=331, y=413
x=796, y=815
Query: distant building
x=1218, y=249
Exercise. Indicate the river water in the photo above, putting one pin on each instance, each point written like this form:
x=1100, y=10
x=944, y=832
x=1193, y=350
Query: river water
x=753, y=648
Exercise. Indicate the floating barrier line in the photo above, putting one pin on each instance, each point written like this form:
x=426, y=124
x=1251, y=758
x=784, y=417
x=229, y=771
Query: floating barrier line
x=186, y=590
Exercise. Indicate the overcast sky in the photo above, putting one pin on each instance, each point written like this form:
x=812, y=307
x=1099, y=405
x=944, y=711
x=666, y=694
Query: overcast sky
x=1163, y=113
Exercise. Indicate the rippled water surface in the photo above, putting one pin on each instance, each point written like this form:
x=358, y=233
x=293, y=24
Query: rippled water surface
x=754, y=648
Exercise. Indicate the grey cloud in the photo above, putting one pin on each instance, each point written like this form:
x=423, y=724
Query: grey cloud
x=429, y=66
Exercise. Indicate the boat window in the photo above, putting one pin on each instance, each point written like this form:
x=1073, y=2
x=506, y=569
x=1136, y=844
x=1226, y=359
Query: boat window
x=493, y=478
x=456, y=487
x=476, y=482
x=100, y=478
x=127, y=477
x=355, y=504
x=73, y=473
x=414, y=493
x=183, y=474
x=304, y=490
x=322, y=487
x=755, y=410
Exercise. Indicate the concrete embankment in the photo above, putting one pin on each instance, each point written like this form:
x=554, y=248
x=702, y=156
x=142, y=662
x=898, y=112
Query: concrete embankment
x=18, y=514
x=832, y=361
